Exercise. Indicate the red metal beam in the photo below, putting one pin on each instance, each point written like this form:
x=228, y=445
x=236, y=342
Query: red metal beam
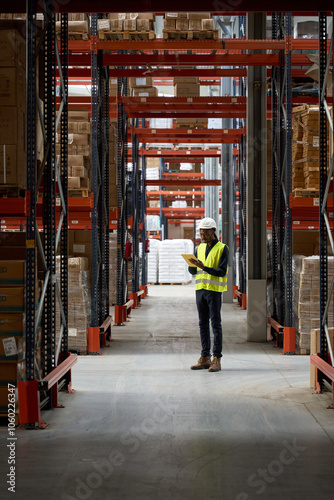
x=188, y=60
x=180, y=182
x=217, y=8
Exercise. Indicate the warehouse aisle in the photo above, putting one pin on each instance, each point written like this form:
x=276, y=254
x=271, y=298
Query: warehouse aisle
x=143, y=426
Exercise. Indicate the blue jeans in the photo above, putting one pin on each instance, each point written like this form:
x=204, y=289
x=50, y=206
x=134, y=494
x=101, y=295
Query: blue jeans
x=208, y=307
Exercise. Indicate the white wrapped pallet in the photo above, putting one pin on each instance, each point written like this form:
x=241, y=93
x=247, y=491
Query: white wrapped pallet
x=153, y=261
x=172, y=266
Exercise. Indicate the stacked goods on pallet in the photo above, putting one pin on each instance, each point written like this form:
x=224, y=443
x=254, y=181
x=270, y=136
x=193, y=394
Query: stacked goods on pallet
x=188, y=87
x=172, y=266
x=12, y=110
x=124, y=26
x=188, y=26
x=153, y=261
x=112, y=165
x=153, y=172
x=298, y=180
x=78, y=24
x=112, y=268
x=78, y=304
x=78, y=153
x=12, y=323
x=310, y=121
x=306, y=283
x=142, y=87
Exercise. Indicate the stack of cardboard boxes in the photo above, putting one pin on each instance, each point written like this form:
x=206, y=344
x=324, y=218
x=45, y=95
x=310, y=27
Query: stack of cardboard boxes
x=142, y=87
x=188, y=87
x=112, y=165
x=309, y=300
x=79, y=304
x=78, y=153
x=188, y=25
x=12, y=109
x=12, y=314
x=141, y=23
x=78, y=24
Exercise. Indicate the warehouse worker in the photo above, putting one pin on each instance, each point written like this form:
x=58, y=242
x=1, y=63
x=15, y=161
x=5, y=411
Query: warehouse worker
x=211, y=271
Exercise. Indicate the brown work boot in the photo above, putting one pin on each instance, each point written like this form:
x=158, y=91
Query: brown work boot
x=203, y=363
x=215, y=365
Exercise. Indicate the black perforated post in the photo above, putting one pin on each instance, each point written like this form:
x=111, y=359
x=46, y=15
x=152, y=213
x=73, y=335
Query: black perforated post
x=322, y=182
x=30, y=290
x=274, y=166
x=64, y=184
x=49, y=190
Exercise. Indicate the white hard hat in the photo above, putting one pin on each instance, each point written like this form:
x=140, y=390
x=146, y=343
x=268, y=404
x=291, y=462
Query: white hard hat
x=207, y=223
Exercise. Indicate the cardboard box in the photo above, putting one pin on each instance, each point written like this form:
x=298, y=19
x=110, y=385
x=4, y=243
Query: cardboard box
x=12, y=49
x=78, y=139
x=181, y=24
x=195, y=24
x=130, y=25
x=185, y=80
x=77, y=171
x=13, y=87
x=176, y=15
x=72, y=127
x=143, y=81
x=103, y=24
x=12, y=370
x=80, y=244
x=145, y=92
x=207, y=24
x=199, y=15
x=73, y=182
x=187, y=90
x=12, y=299
x=169, y=24
x=12, y=324
x=78, y=116
x=12, y=166
x=75, y=160
x=12, y=272
x=83, y=127
x=12, y=126
x=305, y=242
x=116, y=25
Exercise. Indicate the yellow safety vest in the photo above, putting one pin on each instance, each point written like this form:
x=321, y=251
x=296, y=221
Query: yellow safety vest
x=205, y=281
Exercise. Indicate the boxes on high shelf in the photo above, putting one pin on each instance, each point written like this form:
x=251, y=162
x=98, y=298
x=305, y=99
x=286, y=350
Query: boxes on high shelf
x=103, y=24
x=181, y=24
x=195, y=24
x=13, y=87
x=78, y=171
x=12, y=49
x=199, y=15
x=72, y=127
x=84, y=128
x=176, y=15
x=80, y=244
x=130, y=24
x=145, y=92
x=143, y=81
x=207, y=25
x=116, y=25
x=112, y=195
x=169, y=24
x=12, y=166
x=188, y=80
x=112, y=87
x=12, y=324
x=187, y=90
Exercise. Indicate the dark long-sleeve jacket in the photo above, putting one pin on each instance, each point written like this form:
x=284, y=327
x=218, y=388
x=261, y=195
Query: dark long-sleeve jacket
x=220, y=271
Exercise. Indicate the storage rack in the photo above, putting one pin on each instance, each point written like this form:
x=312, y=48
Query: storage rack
x=324, y=362
x=41, y=389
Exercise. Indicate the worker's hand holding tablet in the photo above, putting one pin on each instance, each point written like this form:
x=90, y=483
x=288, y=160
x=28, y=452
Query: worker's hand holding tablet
x=192, y=261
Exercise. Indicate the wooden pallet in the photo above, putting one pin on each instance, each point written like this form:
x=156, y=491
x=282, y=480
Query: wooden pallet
x=190, y=35
x=306, y=193
x=79, y=193
x=191, y=125
x=127, y=35
x=11, y=191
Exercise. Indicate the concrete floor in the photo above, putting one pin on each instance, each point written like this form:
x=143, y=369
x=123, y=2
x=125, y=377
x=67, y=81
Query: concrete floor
x=143, y=426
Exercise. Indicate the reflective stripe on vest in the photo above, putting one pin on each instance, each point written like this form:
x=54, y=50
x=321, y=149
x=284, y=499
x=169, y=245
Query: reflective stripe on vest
x=204, y=280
